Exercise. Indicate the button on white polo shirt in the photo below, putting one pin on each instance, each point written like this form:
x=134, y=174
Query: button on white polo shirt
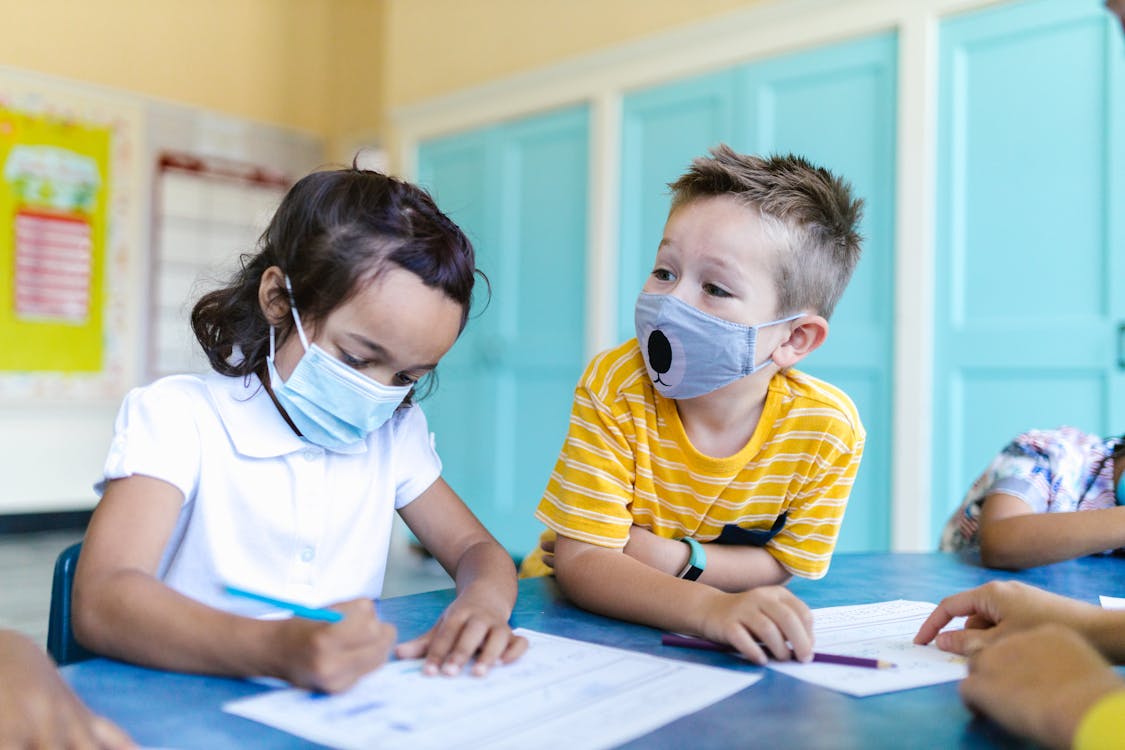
x=263, y=509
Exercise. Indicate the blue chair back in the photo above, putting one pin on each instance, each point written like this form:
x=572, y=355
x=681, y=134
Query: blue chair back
x=60, y=636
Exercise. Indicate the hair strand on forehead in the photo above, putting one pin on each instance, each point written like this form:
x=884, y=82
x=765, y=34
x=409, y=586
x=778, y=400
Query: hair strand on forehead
x=811, y=212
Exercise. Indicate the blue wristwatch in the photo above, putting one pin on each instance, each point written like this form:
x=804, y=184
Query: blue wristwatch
x=696, y=563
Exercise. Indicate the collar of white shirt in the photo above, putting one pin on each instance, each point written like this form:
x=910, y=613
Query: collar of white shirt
x=253, y=422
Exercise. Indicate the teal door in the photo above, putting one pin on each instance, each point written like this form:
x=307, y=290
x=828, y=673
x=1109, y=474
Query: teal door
x=1030, y=250
x=662, y=130
x=501, y=409
x=835, y=105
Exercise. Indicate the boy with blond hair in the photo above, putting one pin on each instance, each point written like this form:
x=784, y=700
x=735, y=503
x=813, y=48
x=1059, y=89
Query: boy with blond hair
x=700, y=469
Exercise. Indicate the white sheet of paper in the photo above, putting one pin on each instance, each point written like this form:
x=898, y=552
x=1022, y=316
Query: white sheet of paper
x=884, y=630
x=1112, y=602
x=562, y=693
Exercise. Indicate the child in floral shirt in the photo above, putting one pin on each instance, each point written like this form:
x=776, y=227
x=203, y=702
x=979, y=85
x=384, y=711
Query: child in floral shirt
x=1018, y=512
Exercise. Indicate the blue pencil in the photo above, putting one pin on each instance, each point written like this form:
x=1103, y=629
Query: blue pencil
x=309, y=613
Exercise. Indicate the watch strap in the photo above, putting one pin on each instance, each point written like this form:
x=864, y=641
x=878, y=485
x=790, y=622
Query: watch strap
x=697, y=561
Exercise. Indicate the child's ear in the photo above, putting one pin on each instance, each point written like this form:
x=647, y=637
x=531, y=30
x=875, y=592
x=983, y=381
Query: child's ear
x=272, y=297
x=804, y=338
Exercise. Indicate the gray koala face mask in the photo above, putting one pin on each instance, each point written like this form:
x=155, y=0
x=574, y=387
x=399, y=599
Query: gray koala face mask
x=689, y=353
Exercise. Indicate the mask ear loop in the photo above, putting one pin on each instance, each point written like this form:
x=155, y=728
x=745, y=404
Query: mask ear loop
x=757, y=367
x=296, y=317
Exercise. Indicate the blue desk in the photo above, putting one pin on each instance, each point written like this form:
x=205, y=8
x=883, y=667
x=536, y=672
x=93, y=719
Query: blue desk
x=183, y=711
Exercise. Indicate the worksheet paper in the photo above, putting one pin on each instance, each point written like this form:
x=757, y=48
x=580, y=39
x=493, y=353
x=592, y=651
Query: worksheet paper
x=1112, y=602
x=562, y=693
x=885, y=631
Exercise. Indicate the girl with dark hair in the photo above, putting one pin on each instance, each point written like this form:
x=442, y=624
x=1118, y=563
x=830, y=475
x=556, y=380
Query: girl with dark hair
x=279, y=471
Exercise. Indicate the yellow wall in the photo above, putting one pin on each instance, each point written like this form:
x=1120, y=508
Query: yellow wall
x=330, y=67
x=313, y=65
x=438, y=46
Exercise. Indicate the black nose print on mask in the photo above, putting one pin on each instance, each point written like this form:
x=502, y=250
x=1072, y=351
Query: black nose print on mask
x=659, y=352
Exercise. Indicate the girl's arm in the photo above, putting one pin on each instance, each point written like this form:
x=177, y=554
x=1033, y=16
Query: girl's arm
x=1013, y=536
x=476, y=623
x=122, y=610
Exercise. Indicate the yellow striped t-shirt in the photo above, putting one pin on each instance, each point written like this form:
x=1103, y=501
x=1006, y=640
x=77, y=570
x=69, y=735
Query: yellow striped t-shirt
x=627, y=460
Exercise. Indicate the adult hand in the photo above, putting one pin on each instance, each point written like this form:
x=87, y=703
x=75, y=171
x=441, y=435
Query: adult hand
x=473, y=625
x=996, y=609
x=771, y=615
x=1039, y=683
x=331, y=657
x=37, y=709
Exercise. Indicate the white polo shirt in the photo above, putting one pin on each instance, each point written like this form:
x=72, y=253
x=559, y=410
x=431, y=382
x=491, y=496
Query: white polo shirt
x=264, y=509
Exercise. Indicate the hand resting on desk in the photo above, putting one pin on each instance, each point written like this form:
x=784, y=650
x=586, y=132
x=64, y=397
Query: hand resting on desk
x=37, y=709
x=1039, y=683
x=1002, y=607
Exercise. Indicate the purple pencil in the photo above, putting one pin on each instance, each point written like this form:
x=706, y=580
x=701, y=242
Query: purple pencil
x=687, y=641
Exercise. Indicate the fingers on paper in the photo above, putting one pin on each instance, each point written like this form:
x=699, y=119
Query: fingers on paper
x=965, y=642
x=972, y=604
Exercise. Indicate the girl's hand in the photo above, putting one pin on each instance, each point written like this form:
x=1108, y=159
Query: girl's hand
x=770, y=615
x=470, y=626
x=37, y=709
x=331, y=657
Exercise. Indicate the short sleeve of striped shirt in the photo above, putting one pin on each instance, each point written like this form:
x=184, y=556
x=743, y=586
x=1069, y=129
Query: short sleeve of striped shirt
x=804, y=546
x=588, y=495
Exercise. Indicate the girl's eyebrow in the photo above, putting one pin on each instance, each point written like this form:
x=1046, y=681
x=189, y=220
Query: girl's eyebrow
x=380, y=351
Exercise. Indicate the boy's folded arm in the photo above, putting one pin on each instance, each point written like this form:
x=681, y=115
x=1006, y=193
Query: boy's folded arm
x=729, y=567
x=1013, y=536
x=611, y=583
x=608, y=582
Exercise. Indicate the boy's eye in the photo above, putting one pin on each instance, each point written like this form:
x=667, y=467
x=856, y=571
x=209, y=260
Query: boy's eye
x=662, y=274
x=715, y=291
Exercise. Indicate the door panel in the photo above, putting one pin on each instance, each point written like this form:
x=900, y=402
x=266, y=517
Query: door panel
x=663, y=129
x=519, y=190
x=836, y=107
x=1027, y=274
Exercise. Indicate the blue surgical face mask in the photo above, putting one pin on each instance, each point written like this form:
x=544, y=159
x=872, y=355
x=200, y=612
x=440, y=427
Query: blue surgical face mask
x=689, y=353
x=331, y=404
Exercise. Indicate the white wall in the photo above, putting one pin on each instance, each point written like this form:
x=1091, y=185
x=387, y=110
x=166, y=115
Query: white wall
x=52, y=451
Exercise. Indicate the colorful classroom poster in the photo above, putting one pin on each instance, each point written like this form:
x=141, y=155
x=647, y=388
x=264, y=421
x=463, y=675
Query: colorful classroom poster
x=54, y=187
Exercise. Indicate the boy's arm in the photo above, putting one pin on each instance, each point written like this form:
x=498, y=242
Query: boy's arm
x=476, y=623
x=611, y=583
x=729, y=567
x=122, y=610
x=1012, y=535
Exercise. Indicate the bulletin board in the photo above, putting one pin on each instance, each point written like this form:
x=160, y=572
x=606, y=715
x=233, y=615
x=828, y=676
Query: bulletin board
x=68, y=182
